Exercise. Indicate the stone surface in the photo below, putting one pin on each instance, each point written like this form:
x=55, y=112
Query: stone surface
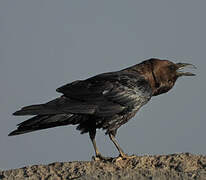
x=174, y=166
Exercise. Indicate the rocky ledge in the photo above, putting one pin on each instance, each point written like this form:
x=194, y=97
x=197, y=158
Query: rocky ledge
x=184, y=166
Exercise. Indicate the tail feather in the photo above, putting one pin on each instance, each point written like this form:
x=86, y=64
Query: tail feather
x=35, y=110
x=45, y=121
x=18, y=132
x=59, y=105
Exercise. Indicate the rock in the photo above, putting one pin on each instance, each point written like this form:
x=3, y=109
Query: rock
x=184, y=166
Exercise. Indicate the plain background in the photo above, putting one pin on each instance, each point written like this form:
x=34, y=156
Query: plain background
x=45, y=44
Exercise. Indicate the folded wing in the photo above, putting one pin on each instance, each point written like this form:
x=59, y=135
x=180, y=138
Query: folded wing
x=102, y=95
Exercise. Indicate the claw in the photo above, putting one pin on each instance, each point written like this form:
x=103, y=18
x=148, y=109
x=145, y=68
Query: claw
x=101, y=158
x=124, y=157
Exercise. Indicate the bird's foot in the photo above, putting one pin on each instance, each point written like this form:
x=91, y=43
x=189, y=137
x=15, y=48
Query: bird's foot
x=124, y=157
x=101, y=158
x=111, y=159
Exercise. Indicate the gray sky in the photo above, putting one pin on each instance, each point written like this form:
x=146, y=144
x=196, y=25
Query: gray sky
x=45, y=44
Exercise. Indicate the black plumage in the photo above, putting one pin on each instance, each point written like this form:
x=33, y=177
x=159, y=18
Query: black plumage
x=104, y=101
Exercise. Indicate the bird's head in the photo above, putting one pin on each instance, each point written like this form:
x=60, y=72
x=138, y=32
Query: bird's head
x=162, y=74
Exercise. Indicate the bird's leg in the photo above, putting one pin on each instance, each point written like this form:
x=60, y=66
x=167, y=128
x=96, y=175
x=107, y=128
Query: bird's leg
x=92, y=134
x=122, y=155
x=92, y=137
x=112, y=137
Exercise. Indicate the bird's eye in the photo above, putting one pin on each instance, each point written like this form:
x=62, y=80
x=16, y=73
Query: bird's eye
x=157, y=84
x=170, y=81
x=172, y=67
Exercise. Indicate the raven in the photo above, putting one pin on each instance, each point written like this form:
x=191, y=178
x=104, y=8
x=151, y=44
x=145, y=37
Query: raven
x=104, y=101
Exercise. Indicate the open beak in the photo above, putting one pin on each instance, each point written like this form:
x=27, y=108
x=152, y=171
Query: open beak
x=181, y=66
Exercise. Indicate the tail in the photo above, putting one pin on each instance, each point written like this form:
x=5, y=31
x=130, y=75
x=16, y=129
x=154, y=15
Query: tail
x=45, y=121
x=59, y=105
x=50, y=108
x=35, y=110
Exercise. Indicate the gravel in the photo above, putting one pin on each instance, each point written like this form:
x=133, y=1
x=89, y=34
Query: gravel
x=184, y=166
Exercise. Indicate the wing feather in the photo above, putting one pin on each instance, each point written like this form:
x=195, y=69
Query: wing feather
x=102, y=95
x=110, y=92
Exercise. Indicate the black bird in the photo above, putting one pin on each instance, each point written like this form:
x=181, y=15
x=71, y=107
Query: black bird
x=104, y=101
